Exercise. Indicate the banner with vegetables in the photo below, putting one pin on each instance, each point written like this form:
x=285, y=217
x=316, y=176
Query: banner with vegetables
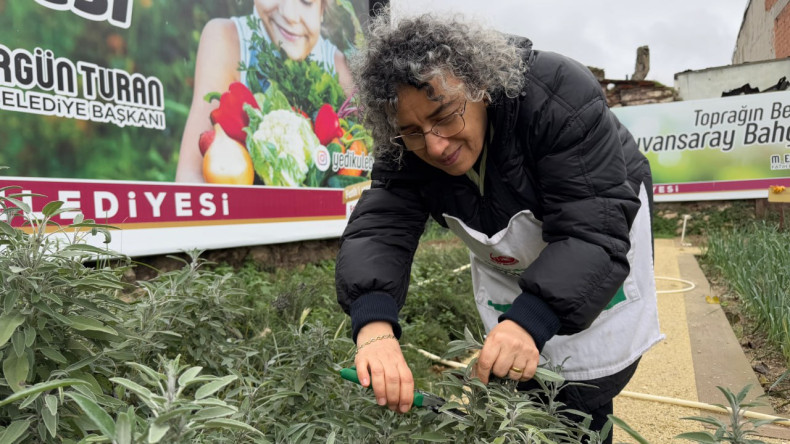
x=724, y=148
x=167, y=103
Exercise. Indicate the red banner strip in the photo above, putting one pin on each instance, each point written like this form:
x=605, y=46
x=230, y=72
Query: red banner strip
x=147, y=204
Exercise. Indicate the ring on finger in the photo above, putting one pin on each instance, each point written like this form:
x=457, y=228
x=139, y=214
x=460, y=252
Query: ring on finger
x=516, y=370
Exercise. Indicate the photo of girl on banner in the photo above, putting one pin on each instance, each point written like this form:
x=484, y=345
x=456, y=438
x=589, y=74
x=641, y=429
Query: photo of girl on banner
x=272, y=99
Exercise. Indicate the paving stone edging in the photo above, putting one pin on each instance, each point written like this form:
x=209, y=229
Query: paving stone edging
x=717, y=355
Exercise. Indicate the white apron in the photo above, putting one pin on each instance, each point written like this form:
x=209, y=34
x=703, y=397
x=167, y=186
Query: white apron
x=626, y=329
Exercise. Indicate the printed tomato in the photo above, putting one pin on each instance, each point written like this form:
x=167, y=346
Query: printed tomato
x=327, y=124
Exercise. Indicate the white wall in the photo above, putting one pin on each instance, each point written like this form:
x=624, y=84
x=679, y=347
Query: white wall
x=711, y=82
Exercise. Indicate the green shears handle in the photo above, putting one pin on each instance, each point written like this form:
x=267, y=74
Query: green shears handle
x=350, y=374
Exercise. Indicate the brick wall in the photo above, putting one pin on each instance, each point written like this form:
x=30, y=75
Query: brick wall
x=764, y=33
x=782, y=33
x=755, y=38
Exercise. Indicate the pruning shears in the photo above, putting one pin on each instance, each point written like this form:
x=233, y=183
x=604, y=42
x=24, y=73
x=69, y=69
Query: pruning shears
x=421, y=398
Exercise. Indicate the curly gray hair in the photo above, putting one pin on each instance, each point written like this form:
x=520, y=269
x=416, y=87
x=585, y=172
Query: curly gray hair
x=420, y=49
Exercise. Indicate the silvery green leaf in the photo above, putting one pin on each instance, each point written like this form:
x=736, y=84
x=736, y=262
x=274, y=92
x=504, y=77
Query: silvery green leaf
x=51, y=401
x=19, y=204
x=50, y=421
x=84, y=323
x=153, y=375
x=11, y=297
x=157, y=431
x=431, y=437
x=188, y=375
x=18, y=342
x=145, y=395
x=15, y=370
x=623, y=425
x=226, y=423
x=50, y=208
x=14, y=431
x=8, y=230
x=41, y=387
x=212, y=387
x=548, y=375
x=213, y=412
x=95, y=413
x=30, y=336
x=212, y=402
x=123, y=430
x=8, y=324
x=53, y=354
x=185, y=411
x=702, y=437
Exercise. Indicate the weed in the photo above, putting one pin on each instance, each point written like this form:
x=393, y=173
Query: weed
x=738, y=430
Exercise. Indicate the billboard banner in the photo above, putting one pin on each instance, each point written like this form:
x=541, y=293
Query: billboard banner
x=724, y=148
x=190, y=124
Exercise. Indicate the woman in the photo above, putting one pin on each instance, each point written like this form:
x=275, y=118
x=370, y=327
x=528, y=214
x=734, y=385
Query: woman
x=294, y=25
x=516, y=152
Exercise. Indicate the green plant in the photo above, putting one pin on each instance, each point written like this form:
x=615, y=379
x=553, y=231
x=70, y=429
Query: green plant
x=60, y=323
x=664, y=227
x=81, y=365
x=440, y=302
x=434, y=231
x=623, y=425
x=177, y=403
x=279, y=296
x=751, y=259
x=305, y=84
x=705, y=217
x=298, y=396
x=499, y=413
x=65, y=332
x=193, y=312
x=738, y=430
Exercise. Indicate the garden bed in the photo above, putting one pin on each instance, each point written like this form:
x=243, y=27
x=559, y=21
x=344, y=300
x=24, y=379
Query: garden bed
x=232, y=352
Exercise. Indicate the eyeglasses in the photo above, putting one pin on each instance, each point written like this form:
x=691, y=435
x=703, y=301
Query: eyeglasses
x=447, y=127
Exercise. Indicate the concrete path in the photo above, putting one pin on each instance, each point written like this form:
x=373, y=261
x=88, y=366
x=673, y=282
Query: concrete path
x=699, y=353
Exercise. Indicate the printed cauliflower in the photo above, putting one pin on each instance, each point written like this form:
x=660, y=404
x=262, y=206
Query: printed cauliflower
x=282, y=148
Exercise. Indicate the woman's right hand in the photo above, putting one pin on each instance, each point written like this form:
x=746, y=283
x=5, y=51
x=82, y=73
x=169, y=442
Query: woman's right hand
x=382, y=362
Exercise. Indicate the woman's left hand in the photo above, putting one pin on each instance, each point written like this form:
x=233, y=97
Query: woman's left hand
x=509, y=352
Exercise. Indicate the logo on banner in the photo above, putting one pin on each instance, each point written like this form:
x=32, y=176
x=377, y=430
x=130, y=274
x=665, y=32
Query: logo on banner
x=322, y=159
x=116, y=12
x=352, y=160
x=779, y=162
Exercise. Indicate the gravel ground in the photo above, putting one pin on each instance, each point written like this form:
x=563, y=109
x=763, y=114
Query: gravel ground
x=667, y=369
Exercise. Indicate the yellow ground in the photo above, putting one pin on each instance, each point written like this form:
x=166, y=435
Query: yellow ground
x=667, y=369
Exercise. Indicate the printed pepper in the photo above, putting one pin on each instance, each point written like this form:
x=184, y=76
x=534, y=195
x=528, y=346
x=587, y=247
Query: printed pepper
x=327, y=124
x=230, y=114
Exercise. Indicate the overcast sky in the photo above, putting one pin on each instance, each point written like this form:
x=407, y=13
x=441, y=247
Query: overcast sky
x=681, y=34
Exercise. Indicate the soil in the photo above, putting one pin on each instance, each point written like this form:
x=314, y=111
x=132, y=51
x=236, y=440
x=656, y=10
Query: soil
x=268, y=257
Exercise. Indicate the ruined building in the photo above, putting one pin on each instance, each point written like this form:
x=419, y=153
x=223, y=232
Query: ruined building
x=636, y=90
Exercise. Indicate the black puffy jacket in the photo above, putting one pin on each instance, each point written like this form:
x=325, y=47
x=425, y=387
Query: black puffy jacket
x=557, y=151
